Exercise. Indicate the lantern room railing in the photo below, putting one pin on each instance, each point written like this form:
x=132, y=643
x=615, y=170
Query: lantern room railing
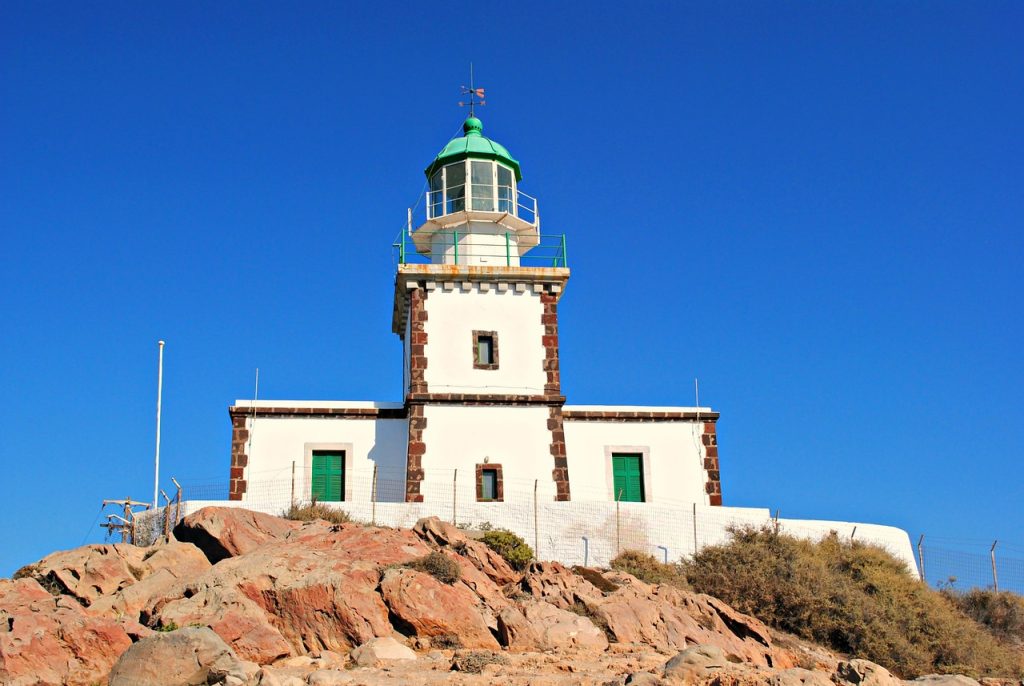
x=549, y=252
x=481, y=198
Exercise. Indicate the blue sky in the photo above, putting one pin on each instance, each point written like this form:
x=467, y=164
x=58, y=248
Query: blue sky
x=814, y=207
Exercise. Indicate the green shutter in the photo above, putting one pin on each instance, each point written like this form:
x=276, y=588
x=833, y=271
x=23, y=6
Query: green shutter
x=328, y=483
x=627, y=470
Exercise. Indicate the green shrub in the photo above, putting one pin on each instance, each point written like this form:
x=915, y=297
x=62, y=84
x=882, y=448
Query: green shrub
x=167, y=628
x=510, y=546
x=851, y=597
x=439, y=566
x=647, y=568
x=1001, y=612
x=314, y=510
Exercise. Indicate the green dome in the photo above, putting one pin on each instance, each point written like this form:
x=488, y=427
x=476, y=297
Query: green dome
x=473, y=144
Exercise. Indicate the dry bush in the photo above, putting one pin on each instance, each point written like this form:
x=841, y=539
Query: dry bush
x=1001, y=612
x=851, y=597
x=446, y=642
x=314, y=510
x=473, y=662
x=439, y=566
x=647, y=568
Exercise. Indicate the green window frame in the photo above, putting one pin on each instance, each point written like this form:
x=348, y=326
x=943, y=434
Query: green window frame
x=328, y=476
x=628, y=477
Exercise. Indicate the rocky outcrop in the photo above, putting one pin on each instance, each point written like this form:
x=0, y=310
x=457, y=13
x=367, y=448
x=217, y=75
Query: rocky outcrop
x=48, y=640
x=187, y=657
x=314, y=603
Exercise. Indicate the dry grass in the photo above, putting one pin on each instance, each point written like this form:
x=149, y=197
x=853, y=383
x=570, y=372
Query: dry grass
x=439, y=566
x=1001, y=612
x=648, y=569
x=473, y=662
x=853, y=598
x=314, y=510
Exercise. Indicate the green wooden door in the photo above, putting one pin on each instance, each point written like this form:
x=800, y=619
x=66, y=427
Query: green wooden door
x=627, y=468
x=328, y=476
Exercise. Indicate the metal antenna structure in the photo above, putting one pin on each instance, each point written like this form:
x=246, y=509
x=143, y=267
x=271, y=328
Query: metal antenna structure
x=476, y=95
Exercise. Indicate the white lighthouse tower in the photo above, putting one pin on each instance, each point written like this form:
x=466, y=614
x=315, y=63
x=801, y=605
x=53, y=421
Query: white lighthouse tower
x=476, y=305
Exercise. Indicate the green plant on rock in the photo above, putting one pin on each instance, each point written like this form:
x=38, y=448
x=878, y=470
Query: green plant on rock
x=510, y=546
x=647, y=568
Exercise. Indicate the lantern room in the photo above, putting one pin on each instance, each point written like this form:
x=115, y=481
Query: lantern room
x=475, y=212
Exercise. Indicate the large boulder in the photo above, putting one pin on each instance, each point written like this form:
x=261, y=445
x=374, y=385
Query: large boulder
x=540, y=626
x=186, y=657
x=445, y=535
x=48, y=640
x=422, y=605
x=865, y=673
x=223, y=532
x=552, y=582
x=381, y=650
x=314, y=590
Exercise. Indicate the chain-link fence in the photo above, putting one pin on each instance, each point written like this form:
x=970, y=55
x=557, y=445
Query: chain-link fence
x=590, y=529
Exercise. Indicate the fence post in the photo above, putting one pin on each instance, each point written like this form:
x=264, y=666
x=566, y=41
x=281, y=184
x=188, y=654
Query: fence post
x=618, y=524
x=167, y=513
x=373, y=498
x=695, y=548
x=536, y=528
x=177, y=506
x=853, y=533
x=995, y=577
x=776, y=522
x=920, y=556
x=293, y=485
x=455, y=480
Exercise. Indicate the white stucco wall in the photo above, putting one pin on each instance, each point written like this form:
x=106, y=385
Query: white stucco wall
x=275, y=442
x=453, y=315
x=461, y=437
x=673, y=461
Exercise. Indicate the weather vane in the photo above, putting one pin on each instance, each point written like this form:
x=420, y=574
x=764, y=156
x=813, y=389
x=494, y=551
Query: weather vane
x=473, y=92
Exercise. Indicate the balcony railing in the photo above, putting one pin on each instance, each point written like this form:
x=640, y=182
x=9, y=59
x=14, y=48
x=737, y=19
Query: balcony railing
x=481, y=198
x=502, y=250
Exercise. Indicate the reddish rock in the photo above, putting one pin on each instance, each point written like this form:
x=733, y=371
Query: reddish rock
x=88, y=572
x=223, y=532
x=187, y=657
x=315, y=590
x=46, y=640
x=540, y=626
x=426, y=607
x=563, y=588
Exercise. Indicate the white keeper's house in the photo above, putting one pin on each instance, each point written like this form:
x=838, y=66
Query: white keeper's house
x=476, y=300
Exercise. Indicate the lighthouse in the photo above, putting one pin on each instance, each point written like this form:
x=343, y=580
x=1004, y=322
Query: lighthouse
x=476, y=305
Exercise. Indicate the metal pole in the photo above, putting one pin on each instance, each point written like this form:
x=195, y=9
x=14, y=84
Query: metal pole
x=292, y=501
x=373, y=498
x=776, y=522
x=618, y=524
x=536, y=533
x=167, y=513
x=455, y=481
x=920, y=556
x=508, y=251
x=695, y=548
x=995, y=577
x=586, y=551
x=177, y=506
x=455, y=243
x=565, y=257
x=664, y=548
x=159, y=399
x=127, y=519
x=853, y=533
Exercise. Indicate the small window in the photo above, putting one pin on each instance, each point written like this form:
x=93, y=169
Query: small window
x=485, y=350
x=488, y=483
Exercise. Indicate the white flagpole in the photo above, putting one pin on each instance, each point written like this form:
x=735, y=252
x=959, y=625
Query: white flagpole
x=159, y=397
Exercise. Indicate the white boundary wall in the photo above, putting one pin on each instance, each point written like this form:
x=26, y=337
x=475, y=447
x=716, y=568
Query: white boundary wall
x=590, y=533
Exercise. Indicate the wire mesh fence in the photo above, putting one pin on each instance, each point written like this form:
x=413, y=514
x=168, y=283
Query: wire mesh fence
x=591, y=528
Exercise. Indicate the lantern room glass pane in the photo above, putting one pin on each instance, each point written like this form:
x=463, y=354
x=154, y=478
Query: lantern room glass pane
x=482, y=178
x=505, y=190
x=435, y=201
x=455, y=187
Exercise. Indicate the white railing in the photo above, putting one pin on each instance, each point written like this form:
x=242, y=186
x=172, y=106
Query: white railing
x=500, y=200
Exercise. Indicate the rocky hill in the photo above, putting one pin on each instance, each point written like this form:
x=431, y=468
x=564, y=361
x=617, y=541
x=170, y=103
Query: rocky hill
x=237, y=597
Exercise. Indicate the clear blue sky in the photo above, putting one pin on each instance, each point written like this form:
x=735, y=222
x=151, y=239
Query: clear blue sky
x=814, y=207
